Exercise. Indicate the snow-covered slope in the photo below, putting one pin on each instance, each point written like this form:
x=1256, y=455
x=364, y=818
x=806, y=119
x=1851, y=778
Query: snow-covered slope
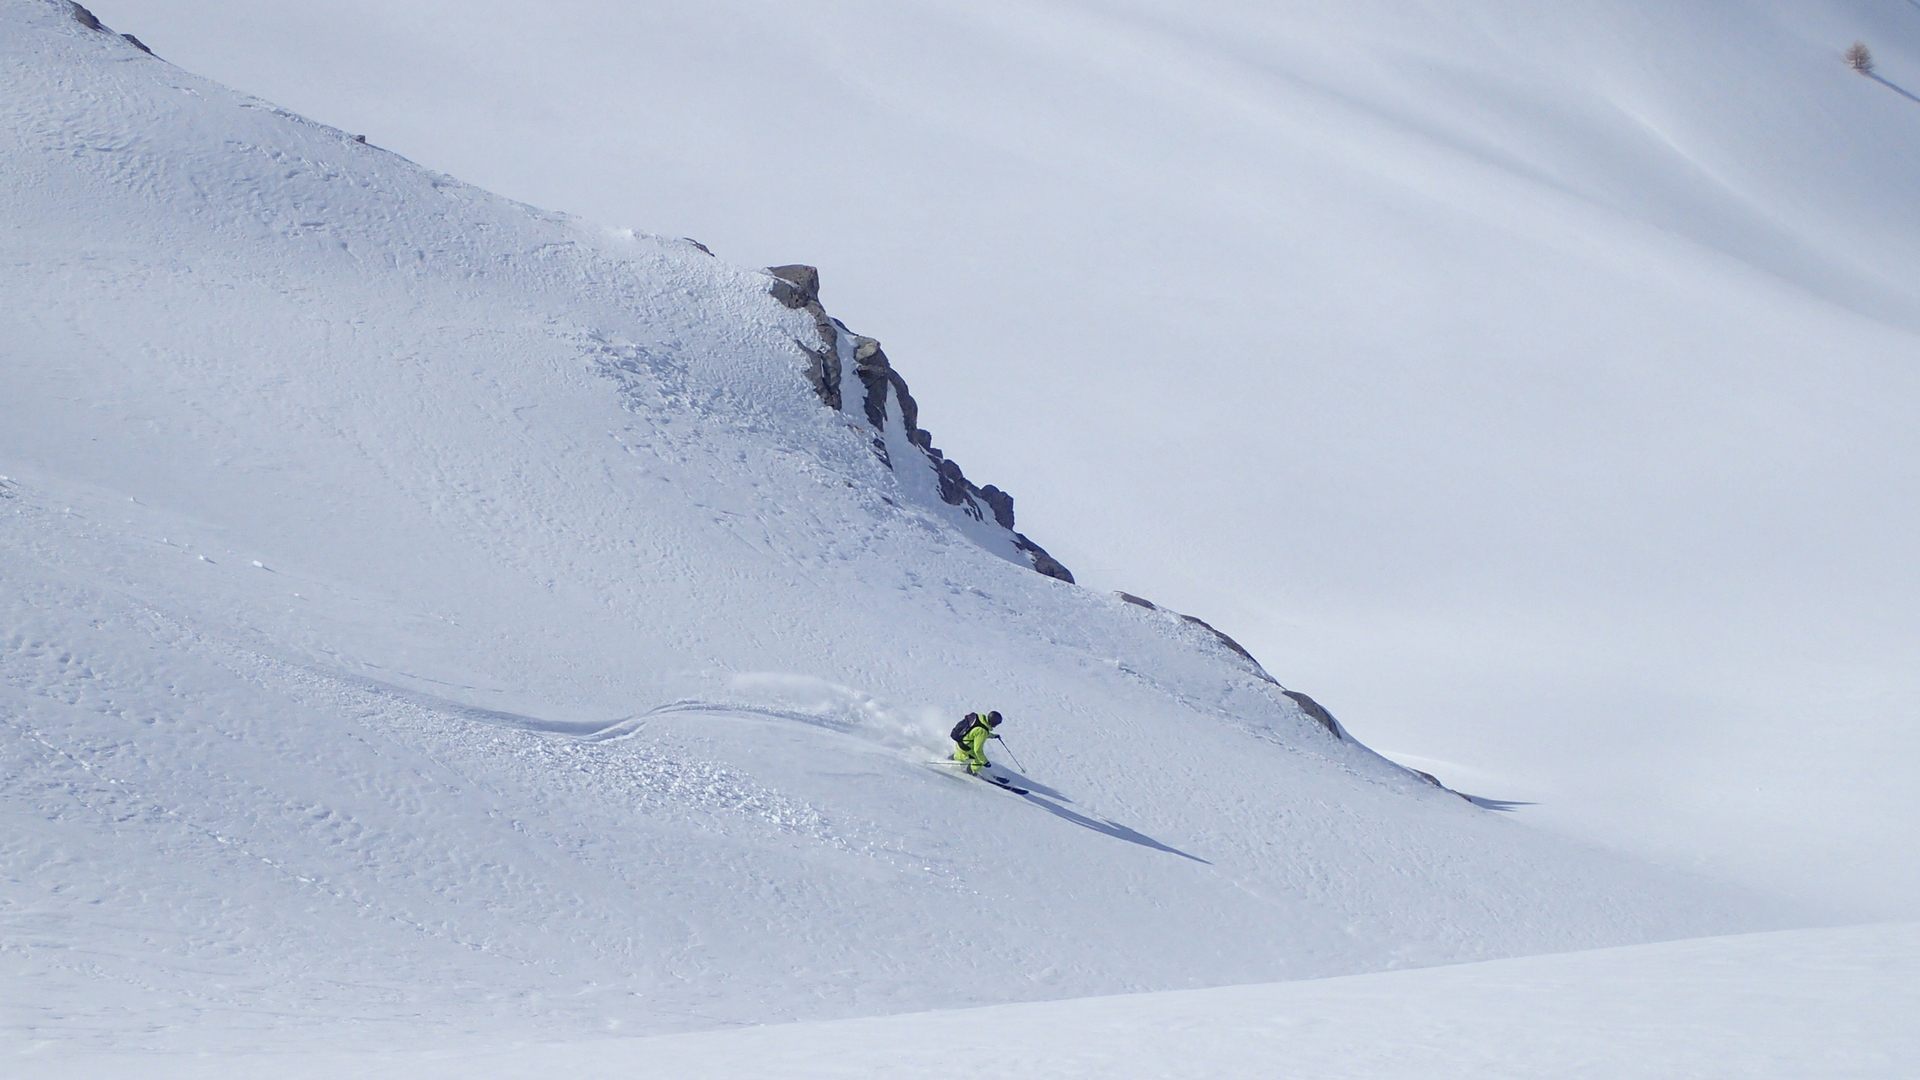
x=1562, y=354
x=1807, y=1004
x=424, y=612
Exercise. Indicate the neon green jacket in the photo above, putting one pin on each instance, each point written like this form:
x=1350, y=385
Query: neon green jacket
x=973, y=745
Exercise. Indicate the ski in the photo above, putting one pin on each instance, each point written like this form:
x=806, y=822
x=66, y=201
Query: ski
x=994, y=780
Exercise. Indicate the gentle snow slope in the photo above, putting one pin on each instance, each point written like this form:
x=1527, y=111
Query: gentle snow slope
x=1804, y=1004
x=1561, y=356
x=424, y=613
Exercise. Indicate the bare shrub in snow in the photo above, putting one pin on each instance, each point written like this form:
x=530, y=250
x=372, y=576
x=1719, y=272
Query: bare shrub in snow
x=1860, y=58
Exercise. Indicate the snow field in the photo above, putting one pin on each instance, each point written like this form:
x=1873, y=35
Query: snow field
x=1532, y=383
x=430, y=619
x=1806, y=1003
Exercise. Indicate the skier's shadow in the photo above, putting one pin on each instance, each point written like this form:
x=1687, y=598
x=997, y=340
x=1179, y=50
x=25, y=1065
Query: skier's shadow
x=1043, y=797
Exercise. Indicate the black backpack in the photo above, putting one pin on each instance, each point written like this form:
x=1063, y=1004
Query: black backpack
x=965, y=725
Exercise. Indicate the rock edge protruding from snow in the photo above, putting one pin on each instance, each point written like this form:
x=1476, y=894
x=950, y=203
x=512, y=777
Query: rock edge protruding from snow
x=798, y=287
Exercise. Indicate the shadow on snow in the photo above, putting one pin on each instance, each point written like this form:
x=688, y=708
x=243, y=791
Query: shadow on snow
x=1049, y=800
x=1506, y=805
x=1895, y=87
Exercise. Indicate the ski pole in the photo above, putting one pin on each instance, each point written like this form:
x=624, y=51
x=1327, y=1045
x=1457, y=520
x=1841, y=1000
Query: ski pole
x=1010, y=753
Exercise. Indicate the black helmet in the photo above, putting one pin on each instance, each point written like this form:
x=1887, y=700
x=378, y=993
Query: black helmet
x=993, y=718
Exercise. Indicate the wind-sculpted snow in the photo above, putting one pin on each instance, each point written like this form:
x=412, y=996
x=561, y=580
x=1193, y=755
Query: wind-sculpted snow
x=424, y=613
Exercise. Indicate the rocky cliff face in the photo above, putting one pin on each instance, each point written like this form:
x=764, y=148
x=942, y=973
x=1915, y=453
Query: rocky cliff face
x=880, y=392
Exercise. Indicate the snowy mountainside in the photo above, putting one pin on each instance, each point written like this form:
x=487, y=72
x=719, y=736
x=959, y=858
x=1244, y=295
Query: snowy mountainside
x=1570, y=345
x=425, y=612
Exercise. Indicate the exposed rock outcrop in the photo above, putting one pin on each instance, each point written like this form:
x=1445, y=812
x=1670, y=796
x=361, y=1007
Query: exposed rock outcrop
x=1318, y=713
x=798, y=287
x=92, y=22
x=1042, y=561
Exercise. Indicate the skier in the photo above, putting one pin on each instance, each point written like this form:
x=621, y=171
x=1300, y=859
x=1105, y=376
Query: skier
x=970, y=737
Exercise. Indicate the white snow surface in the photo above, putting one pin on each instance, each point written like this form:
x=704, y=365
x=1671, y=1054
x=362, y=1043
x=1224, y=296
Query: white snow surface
x=1805, y=1004
x=429, y=617
x=1532, y=383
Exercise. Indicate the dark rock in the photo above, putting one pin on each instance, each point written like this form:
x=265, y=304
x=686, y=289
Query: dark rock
x=697, y=244
x=875, y=381
x=361, y=139
x=1227, y=641
x=85, y=18
x=877, y=374
x=870, y=363
x=909, y=408
x=956, y=490
x=953, y=482
x=1042, y=562
x=788, y=295
x=824, y=374
x=137, y=43
x=1000, y=502
x=798, y=285
x=1132, y=599
x=829, y=337
x=1319, y=713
